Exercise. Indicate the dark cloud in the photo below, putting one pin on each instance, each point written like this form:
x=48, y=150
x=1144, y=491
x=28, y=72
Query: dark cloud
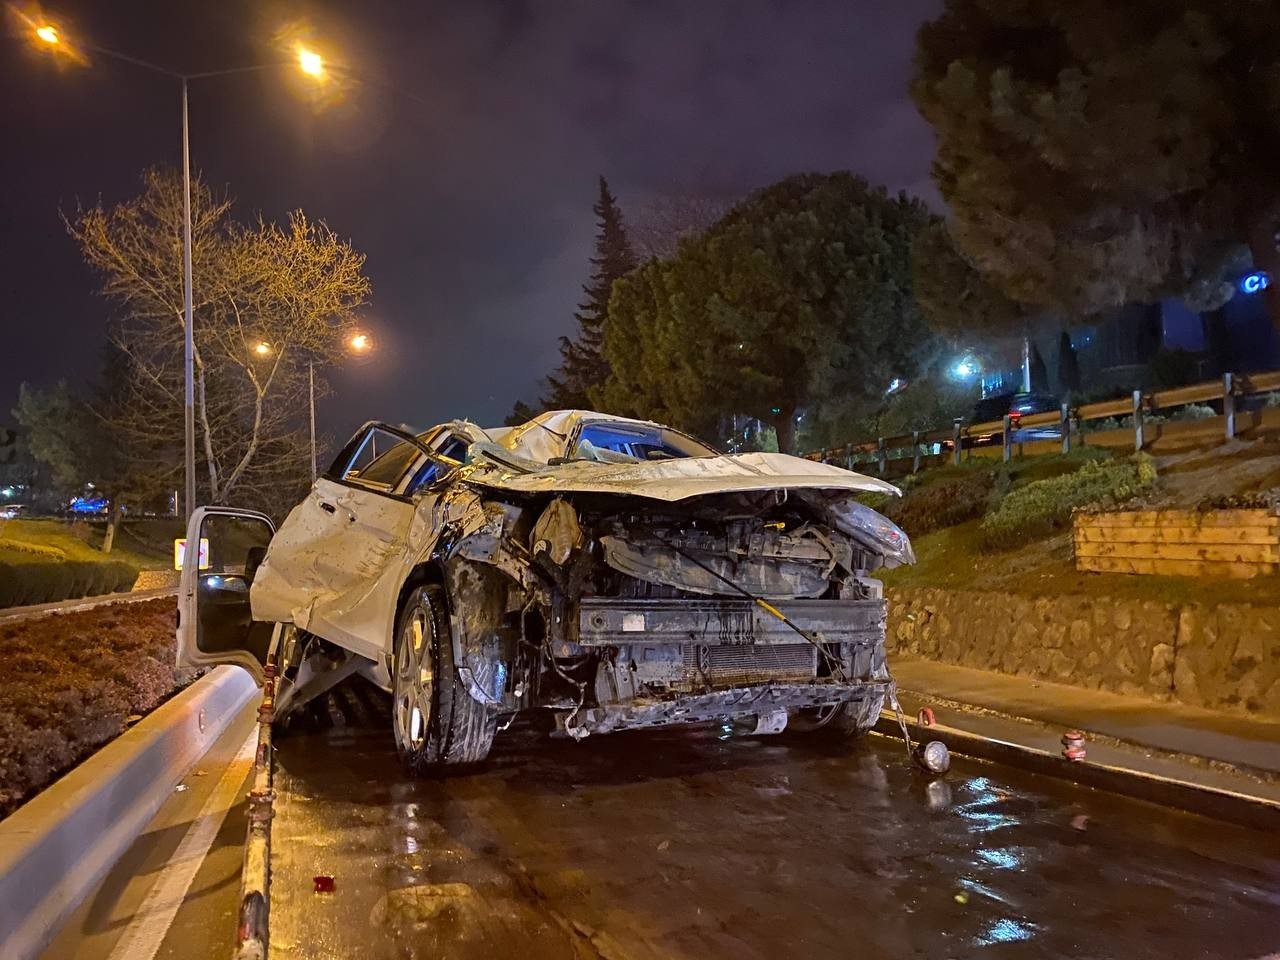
x=464, y=167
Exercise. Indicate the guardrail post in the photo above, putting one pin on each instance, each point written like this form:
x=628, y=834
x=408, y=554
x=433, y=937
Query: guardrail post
x=1137, y=420
x=1005, y=438
x=1064, y=427
x=1229, y=404
x=882, y=455
x=915, y=451
x=955, y=440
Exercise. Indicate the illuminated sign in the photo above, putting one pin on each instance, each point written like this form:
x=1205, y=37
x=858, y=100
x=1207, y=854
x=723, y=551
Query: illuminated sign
x=1254, y=282
x=180, y=549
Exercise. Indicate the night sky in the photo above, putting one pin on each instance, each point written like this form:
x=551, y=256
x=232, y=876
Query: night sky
x=465, y=169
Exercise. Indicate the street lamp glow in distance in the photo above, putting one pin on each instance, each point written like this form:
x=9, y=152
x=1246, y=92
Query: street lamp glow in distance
x=359, y=343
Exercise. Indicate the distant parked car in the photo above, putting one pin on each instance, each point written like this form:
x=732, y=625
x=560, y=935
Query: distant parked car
x=11, y=511
x=1016, y=405
x=90, y=504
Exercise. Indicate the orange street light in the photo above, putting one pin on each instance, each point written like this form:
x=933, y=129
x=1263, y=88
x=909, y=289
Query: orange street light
x=262, y=349
x=310, y=62
x=49, y=34
x=358, y=343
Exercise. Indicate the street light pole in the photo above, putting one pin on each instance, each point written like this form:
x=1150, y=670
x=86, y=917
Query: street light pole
x=188, y=335
x=311, y=384
x=312, y=64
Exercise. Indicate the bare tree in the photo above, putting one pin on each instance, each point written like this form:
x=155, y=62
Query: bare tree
x=268, y=300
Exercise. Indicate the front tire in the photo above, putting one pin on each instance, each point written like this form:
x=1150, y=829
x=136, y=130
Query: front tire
x=435, y=721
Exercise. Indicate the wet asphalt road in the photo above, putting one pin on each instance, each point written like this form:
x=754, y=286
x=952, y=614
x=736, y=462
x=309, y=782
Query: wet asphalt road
x=681, y=844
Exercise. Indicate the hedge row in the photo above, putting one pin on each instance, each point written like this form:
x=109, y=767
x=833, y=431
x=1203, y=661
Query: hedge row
x=41, y=581
x=944, y=504
x=1040, y=508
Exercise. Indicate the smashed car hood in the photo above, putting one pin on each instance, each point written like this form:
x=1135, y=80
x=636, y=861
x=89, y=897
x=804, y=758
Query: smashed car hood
x=672, y=480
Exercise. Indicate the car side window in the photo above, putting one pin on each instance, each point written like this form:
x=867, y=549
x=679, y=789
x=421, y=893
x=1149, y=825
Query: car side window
x=376, y=459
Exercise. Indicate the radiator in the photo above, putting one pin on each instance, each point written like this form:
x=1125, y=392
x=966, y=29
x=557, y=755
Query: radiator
x=747, y=664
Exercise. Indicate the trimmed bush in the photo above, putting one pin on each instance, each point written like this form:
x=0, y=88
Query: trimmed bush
x=34, y=549
x=1044, y=506
x=950, y=502
x=39, y=580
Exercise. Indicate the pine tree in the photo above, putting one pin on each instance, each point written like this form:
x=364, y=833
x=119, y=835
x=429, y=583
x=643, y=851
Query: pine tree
x=1068, y=365
x=582, y=362
x=1039, y=372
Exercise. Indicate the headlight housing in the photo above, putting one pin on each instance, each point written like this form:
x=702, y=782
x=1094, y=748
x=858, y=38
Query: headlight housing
x=874, y=531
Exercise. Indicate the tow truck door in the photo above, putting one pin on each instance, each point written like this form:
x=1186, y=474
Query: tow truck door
x=224, y=547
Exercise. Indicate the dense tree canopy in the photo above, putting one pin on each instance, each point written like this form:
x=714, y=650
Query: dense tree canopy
x=956, y=300
x=798, y=301
x=1097, y=153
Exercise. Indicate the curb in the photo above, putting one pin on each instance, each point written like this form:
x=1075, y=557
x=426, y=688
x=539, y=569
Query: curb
x=37, y=610
x=1122, y=774
x=57, y=847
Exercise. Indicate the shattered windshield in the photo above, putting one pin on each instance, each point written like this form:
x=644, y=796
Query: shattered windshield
x=615, y=442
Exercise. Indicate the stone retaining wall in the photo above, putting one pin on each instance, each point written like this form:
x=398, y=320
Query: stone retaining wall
x=1224, y=657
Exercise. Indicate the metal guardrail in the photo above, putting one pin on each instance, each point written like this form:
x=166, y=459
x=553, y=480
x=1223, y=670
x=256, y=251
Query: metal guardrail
x=253, y=923
x=960, y=435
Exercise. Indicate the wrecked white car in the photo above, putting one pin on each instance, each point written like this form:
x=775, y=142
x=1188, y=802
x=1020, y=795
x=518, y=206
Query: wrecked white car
x=614, y=573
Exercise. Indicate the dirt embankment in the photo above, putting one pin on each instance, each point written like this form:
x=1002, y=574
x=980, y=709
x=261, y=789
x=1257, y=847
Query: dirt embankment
x=69, y=683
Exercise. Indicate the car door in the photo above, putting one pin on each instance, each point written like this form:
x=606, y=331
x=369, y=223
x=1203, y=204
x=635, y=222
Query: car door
x=223, y=550
x=334, y=568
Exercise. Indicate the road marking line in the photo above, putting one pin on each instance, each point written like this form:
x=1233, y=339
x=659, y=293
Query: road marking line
x=143, y=936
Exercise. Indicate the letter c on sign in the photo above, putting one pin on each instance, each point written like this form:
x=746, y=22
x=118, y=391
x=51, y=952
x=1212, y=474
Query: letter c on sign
x=1253, y=282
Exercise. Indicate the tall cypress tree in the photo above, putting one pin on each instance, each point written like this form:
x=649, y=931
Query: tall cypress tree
x=1068, y=366
x=582, y=362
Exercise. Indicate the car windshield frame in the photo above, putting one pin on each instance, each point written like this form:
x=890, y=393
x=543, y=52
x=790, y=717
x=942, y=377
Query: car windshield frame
x=641, y=430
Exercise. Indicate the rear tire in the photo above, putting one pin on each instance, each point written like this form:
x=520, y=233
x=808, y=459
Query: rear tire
x=849, y=720
x=436, y=723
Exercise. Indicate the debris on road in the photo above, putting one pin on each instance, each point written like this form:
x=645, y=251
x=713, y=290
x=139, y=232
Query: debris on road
x=1073, y=745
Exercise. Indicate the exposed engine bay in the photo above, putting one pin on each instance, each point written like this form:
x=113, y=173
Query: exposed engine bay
x=620, y=613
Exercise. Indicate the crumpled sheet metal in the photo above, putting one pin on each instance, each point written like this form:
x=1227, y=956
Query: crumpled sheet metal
x=673, y=480
x=557, y=533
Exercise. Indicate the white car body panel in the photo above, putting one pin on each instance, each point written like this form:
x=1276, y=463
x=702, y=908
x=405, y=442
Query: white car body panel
x=335, y=573
x=672, y=480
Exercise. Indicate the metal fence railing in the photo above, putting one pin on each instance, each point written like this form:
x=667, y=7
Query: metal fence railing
x=1063, y=427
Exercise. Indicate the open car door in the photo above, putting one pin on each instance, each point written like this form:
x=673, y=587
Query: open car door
x=223, y=550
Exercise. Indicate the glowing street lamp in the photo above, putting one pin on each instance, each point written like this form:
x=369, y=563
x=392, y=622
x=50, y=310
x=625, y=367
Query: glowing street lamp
x=262, y=348
x=311, y=64
x=358, y=343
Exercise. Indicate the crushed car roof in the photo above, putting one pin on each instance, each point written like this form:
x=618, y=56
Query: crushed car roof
x=518, y=463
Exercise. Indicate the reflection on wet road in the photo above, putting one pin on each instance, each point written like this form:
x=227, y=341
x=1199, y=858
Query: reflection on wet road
x=683, y=844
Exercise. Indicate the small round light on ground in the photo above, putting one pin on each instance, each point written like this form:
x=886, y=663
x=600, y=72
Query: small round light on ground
x=934, y=756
